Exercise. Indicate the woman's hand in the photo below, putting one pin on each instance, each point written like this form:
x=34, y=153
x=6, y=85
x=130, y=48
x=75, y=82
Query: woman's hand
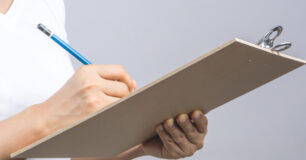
x=91, y=88
x=178, y=138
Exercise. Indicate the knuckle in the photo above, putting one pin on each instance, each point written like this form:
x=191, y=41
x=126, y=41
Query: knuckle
x=193, y=136
x=179, y=139
x=169, y=141
x=92, y=102
x=121, y=68
x=87, y=85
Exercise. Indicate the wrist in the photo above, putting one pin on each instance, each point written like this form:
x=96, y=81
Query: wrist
x=40, y=124
x=134, y=152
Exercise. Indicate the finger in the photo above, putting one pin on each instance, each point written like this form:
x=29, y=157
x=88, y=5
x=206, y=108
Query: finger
x=114, y=72
x=108, y=100
x=111, y=99
x=95, y=100
x=179, y=138
x=114, y=88
x=189, y=129
x=134, y=84
x=167, y=141
x=200, y=121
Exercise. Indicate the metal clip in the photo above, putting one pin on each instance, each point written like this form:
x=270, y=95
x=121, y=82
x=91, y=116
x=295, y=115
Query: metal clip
x=267, y=41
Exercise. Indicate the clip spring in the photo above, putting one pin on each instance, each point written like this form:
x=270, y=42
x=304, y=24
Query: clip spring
x=267, y=41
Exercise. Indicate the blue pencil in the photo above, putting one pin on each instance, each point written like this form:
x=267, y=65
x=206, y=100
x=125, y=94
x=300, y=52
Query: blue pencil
x=63, y=44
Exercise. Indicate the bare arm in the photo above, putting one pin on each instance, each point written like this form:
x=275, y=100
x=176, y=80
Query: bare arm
x=21, y=130
x=28, y=126
x=91, y=88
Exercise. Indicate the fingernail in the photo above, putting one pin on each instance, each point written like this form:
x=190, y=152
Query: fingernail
x=197, y=114
x=183, y=118
x=170, y=122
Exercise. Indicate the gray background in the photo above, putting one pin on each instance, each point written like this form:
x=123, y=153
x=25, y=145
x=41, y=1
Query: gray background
x=153, y=37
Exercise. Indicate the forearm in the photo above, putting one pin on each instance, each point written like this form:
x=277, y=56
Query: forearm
x=132, y=153
x=21, y=130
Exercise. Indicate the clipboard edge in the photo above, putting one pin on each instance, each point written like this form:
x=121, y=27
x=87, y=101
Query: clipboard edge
x=19, y=153
x=270, y=51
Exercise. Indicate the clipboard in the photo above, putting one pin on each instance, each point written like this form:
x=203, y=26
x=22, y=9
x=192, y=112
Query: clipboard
x=225, y=73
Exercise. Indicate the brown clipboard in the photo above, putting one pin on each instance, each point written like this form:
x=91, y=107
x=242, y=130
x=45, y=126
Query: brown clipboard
x=223, y=74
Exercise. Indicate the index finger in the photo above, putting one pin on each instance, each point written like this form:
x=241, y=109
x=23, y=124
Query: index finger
x=116, y=73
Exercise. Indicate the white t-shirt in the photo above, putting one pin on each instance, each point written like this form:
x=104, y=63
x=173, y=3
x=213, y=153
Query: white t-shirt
x=32, y=66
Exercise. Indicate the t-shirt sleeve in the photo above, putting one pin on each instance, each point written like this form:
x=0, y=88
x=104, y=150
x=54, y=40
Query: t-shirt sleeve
x=57, y=8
